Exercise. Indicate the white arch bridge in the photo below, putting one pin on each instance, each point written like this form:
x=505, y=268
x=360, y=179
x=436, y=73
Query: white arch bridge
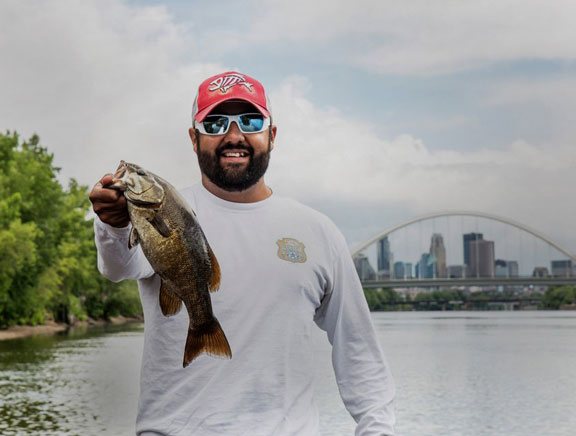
x=468, y=281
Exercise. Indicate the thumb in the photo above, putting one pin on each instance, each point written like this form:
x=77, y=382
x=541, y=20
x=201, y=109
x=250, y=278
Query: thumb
x=106, y=180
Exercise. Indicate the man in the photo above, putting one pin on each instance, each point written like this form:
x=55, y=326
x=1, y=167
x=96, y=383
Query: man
x=284, y=267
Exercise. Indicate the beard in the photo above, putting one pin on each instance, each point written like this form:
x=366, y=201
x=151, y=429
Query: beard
x=236, y=177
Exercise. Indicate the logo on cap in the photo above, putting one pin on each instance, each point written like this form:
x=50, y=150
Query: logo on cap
x=224, y=83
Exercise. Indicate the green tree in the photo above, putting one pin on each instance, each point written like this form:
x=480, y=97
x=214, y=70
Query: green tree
x=18, y=256
x=372, y=298
x=383, y=299
x=47, y=252
x=558, y=296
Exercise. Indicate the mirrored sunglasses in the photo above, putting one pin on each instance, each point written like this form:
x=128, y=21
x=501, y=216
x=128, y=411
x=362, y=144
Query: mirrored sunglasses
x=215, y=124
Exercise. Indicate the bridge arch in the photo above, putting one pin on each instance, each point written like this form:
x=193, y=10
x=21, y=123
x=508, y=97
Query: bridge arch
x=426, y=217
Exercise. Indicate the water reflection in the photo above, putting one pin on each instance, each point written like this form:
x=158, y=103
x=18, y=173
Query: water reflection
x=506, y=373
x=47, y=383
x=457, y=374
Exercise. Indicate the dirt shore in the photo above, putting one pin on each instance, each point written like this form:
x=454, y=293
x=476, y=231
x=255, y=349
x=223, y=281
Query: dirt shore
x=21, y=331
x=51, y=327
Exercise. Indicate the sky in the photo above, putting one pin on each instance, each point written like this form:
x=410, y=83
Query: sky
x=385, y=109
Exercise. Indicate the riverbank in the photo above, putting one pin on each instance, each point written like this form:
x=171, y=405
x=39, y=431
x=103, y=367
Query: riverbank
x=51, y=327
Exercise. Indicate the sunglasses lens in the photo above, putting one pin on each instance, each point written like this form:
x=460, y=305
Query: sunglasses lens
x=215, y=124
x=248, y=123
x=251, y=123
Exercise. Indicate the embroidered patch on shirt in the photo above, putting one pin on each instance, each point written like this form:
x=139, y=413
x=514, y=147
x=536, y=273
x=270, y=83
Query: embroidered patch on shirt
x=291, y=250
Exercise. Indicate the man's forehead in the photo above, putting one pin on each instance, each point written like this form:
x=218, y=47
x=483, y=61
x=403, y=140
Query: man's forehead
x=234, y=107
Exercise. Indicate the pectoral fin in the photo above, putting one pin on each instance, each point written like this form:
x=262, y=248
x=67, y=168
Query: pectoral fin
x=170, y=303
x=134, y=238
x=160, y=225
x=214, y=281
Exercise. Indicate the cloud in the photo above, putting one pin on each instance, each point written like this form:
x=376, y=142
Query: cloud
x=101, y=81
x=548, y=102
x=420, y=37
x=322, y=154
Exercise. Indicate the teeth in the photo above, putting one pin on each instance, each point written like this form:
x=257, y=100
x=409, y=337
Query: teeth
x=234, y=154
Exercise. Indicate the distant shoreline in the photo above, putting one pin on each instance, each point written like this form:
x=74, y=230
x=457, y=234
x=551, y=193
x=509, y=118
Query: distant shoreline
x=51, y=327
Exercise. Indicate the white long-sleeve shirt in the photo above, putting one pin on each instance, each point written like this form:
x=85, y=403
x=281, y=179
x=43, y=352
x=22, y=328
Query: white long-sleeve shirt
x=284, y=266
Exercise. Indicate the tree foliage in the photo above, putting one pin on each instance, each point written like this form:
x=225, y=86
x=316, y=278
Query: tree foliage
x=47, y=253
x=558, y=297
x=385, y=300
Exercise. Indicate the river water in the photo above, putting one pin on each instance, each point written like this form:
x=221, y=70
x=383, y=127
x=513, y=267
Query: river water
x=457, y=374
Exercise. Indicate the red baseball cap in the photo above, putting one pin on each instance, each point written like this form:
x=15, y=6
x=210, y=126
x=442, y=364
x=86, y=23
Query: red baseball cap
x=229, y=86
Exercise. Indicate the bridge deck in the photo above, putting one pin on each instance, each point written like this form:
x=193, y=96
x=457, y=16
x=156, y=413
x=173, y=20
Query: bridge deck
x=486, y=281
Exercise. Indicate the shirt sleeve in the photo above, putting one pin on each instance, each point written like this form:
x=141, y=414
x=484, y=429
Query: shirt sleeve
x=362, y=373
x=116, y=261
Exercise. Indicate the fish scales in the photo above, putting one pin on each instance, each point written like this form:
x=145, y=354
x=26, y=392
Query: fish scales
x=176, y=247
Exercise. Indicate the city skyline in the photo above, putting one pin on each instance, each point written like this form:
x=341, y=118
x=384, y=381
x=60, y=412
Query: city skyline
x=480, y=249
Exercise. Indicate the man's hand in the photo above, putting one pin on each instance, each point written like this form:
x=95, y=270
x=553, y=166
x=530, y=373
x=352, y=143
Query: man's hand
x=109, y=204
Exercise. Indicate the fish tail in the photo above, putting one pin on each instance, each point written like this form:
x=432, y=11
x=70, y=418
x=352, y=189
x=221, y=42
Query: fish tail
x=207, y=338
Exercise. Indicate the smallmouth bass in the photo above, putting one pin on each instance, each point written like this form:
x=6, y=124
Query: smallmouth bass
x=173, y=242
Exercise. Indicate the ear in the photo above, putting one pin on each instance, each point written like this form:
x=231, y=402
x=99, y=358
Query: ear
x=192, y=134
x=272, y=133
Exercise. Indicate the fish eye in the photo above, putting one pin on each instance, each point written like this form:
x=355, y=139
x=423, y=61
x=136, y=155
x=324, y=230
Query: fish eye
x=141, y=172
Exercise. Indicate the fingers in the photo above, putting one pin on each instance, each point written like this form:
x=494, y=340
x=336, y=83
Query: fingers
x=100, y=206
x=116, y=216
x=101, y=194
x=109, y=204
x=107, y=179
x=104, y=195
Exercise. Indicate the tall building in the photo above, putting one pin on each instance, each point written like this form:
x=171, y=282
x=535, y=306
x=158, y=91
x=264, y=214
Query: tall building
x=562, y=268
x=408, y=270
x=402, y=270
x=513, y=268
x=456, y=271
x=426, y=267
x=468, y=238
x=501, y=268
x=363, y=267
x=439, y=251
x=384, y=257
x=399, y=270
x=505, y=268
x=540, y=272
x=481, y=258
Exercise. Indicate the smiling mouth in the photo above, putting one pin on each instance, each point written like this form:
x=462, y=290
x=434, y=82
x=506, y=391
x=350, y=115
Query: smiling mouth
x=235, y=154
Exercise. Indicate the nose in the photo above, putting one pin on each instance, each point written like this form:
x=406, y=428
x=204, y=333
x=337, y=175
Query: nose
x=234, y=134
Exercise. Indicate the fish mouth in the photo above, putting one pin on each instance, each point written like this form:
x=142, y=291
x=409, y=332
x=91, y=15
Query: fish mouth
x=121, y=170
x=118, y=185
x=118, y=178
